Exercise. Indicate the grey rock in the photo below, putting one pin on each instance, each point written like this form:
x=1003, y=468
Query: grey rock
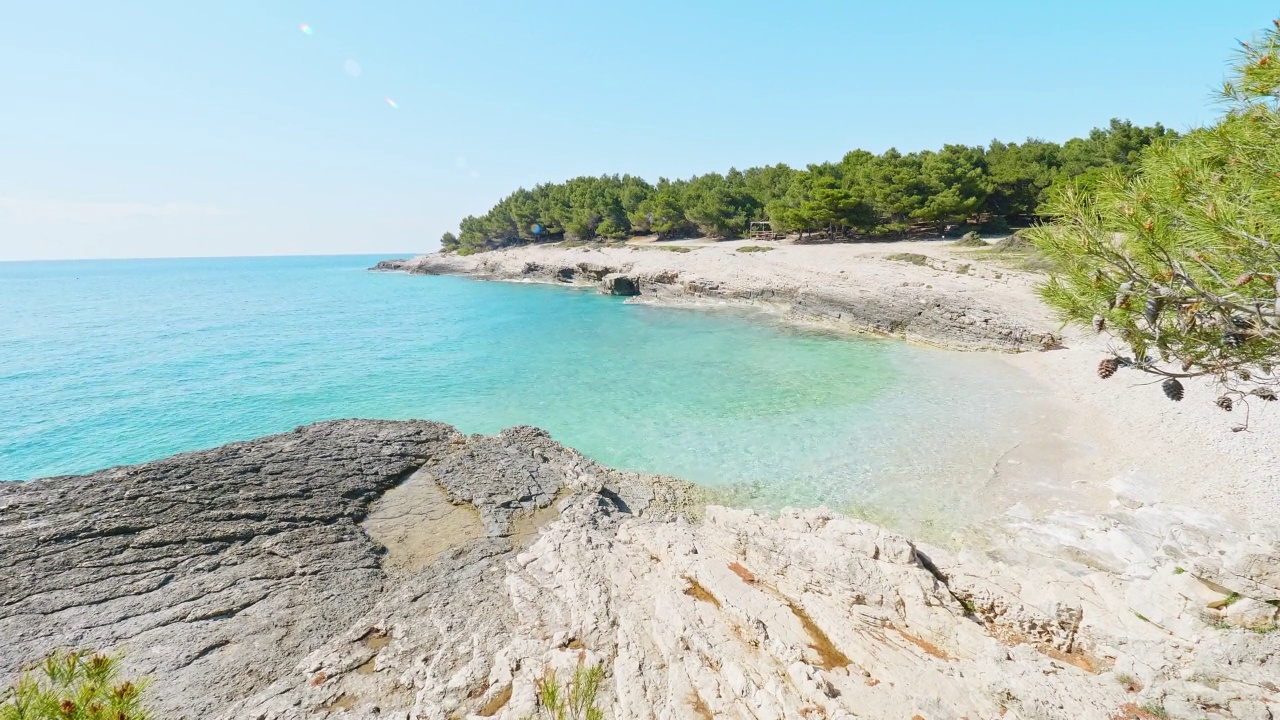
x=396, y=265
x=215, y=572
x=594, y=271
x=619, y=284
x=247, y=583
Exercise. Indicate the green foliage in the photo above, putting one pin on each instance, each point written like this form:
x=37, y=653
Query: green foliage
x=862, y=195
x=574, y=701
x=754, y=249
x=74, y=686
x=1176, y=257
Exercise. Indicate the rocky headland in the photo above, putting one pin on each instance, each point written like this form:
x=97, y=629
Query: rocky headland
x=371, y=569
x=887, y=289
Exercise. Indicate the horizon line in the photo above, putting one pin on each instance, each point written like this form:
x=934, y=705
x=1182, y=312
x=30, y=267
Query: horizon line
x=207, y=257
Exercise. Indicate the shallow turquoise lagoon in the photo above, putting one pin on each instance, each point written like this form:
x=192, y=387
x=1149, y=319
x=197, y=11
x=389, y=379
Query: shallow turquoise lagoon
x=106, y=363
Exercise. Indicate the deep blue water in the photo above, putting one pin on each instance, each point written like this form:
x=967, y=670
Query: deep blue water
x=112, y=362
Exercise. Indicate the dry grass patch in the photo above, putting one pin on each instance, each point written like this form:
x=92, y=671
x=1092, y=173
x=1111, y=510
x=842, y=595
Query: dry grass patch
x=1129, y=711
x=928, y=647
x=907, y=257
x=700, y=708
x=698, y=592
x=829, y=655
x=496, y=703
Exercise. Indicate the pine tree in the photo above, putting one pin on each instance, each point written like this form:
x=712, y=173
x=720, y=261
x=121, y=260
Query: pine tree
x=1180, y=260
x=74, y=686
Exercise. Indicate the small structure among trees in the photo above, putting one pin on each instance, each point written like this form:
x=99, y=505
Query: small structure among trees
x=763, y=230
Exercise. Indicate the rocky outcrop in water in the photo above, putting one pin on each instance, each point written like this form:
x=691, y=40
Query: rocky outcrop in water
x=380, y=569
x=396, y=265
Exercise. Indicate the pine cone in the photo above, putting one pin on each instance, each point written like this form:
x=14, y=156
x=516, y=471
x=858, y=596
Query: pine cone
x=1266, y=394
x=1099, y=322
x=1172, y=389
x=1108, y=367
x=1244, y=375
x=1225, y=403
x=1233, y=340
x=1151, y=311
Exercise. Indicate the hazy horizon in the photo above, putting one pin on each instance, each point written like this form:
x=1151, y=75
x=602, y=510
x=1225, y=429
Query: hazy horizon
x=236, y=130
x=373, y=253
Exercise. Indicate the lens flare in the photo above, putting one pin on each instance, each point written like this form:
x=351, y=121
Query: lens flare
x=305, y=28
x=393, y=104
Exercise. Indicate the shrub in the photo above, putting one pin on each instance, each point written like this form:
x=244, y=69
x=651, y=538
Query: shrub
x=574, y=701
x=754, y=248
x=74, y=685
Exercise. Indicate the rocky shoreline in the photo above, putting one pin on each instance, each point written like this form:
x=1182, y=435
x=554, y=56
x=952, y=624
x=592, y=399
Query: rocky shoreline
x=946, y=303
x=285, y=578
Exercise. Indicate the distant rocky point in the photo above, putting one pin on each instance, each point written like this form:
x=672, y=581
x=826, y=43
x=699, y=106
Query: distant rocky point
x=396, y=265
x=370, y=569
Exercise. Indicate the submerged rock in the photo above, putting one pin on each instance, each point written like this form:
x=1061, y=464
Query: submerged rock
x=380, y=569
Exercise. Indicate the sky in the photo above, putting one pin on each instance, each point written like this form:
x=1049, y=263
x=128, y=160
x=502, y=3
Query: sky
x=242, y=127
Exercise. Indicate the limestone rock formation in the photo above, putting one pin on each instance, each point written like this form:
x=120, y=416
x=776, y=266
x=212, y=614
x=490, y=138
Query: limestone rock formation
x=957, y=318
x=397, y=570
x=216, y=571
x=619, y=284
x=810, y=614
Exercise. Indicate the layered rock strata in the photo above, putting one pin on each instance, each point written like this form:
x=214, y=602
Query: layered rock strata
x=397, y=569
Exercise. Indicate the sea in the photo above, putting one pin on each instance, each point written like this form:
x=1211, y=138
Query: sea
x=105, y=363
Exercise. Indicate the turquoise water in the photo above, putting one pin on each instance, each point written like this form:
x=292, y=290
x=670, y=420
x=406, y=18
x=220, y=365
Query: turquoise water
x=106, y=363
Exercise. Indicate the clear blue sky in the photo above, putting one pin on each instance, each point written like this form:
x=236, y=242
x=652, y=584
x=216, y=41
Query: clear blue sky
x=142, y=129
